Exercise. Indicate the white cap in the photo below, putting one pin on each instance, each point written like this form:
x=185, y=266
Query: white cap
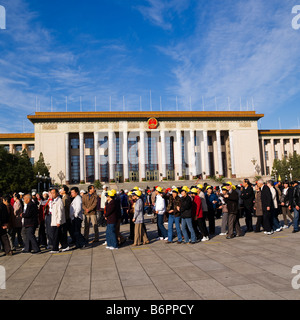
x=33, y=193
x=21, y=193
x=126, y=191
x=45, y=192
x=82, y=191
x=105, y=186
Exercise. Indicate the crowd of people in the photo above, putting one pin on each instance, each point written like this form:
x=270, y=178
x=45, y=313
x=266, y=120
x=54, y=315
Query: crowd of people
x=60, y=219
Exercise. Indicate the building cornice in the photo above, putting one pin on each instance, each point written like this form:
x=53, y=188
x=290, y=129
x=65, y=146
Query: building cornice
x=17, y=136
x=39, y=117
x=287, y=132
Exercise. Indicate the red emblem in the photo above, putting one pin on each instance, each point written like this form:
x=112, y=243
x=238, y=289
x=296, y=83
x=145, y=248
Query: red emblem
x=152, y=123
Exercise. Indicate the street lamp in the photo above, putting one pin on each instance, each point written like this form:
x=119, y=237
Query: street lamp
x=275, y=172
x=39, y=177
x=290, y=169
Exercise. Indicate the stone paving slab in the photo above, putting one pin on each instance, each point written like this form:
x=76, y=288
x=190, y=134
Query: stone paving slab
x=256, y=267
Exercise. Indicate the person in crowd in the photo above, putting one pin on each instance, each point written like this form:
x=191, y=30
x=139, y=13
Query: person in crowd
x=258, y=209
x=111, y=214
x=224, y=208
x=231, y=198
x=160, y=208
x=296, y=205
x=124, y=206
x=174, y=216
x=267, y=203
x=197, y=214
x=247, y=196
x=67, y=203
x=58, y=223
x=185, y=209
x=121, y=240
x=285, y=202
x=48, y=217
x=4, y=219
x=76, y=216
x=10, y=226
x=102, y=220
x=275, y=207
x=42, y=237
x=140, y=236
x=17, y=226
x=131, y=203
x=30, y=216
x=212, y=203
x=89, y=206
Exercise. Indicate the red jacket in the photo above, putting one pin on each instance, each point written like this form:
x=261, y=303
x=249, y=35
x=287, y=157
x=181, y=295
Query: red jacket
x=197, y=208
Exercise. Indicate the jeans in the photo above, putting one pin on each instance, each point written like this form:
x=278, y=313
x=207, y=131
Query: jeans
x=76, y=231
x=275, y=221
x=111, y=237
x=187, y=223
x=171, y=221
x=162, y=231
x=296, y=220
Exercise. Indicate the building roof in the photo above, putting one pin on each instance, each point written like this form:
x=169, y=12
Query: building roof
x=287, y=132
x=16, y=136
x=143, y=115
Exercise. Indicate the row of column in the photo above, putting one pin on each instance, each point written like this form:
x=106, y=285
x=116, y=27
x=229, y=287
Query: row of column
x=142, y=153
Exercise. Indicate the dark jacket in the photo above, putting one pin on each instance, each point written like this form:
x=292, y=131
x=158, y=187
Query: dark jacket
x=232, y=202
x=111, y=212
x=287, y=198
x=296, y=196
x=31, y=215
x=4, y=216
x=173, y=204
x=266, y=198
x=186, y=207
x=247, y=195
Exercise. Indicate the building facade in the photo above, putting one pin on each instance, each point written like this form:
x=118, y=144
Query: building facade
x=152, y=146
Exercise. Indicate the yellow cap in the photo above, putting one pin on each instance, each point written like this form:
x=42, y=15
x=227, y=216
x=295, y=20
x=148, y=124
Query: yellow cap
x=159, y=189
x=194, y=190
x=111, y=193
x=185, y=188
x=200, y=186
x=114, y=191
x=209, y=187
x=175, y=190
x=136, y=188
x=137, y=193
x=129, y=193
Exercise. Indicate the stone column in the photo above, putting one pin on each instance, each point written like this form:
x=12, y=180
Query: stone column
x=281, y=157
x=179, y=153
x=232, y=155
x=142, y=159
x=291, y=146
x=163, y=154
x=207, y=166
x=81, y=152
x=67, y=155
x=219, y=146
x=192, y=159
x=111, y=152
x=125, y=156
x=96, y=156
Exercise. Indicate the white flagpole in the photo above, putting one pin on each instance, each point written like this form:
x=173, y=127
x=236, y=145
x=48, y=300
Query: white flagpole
x=203, y=102
x=253, y=104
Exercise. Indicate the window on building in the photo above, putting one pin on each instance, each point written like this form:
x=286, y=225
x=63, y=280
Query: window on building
x=75, y=169
x=104, y=168
x=223, y=140
x=152, y=163
x=210, y=140
x=170, y=153
x=74, y=143
x=119, y=157
x=32, y=161
x=30, y=147
x=90, y=169
x=276, y=155
x=89, y=143
x=267, y=171
x=267, y=155
x=6, y=147
x=18, y=148
x=133, y=163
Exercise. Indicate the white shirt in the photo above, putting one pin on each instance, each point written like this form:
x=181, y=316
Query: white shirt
x=58, y=212
x=273, y=191
x=103, y=199
x=160, y=204
x=76, y=208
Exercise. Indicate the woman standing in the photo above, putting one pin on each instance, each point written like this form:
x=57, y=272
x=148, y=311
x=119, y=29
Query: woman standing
x=18, y=209
x=258, y=209
x=139, y=232
x=285, y=199
x=110, y=214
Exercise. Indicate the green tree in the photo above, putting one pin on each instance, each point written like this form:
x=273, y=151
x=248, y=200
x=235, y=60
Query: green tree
x=287, y=168
x=40, y=166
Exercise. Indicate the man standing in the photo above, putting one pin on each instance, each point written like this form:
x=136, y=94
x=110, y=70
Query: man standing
x=103, y=199
x=58, y=223
x=4, y=218
x=296, y=206
x=89, y=206
x=67, y=202
x=30, y=224
x=247, y=195
x=76, y=217
x=232, y=199
x=267, y=203
x=160, y=208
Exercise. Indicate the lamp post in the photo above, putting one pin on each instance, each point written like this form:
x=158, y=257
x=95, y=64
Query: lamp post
x=290, y=169
x=39, y=177
x=275, y=172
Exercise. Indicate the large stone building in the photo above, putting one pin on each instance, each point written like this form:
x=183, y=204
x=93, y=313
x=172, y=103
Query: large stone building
x=152, y=146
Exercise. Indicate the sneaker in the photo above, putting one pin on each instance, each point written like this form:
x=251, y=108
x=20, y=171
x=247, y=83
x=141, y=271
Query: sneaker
x=66, y=249
x=207, y=238
x=278, y=230
x=222, y=234
x=108, y=247
x=54, y=252
x=285, y=227
x=104, y=244
x=160, y=238
x=269, y=233
x=112, y=248
x=166, y=238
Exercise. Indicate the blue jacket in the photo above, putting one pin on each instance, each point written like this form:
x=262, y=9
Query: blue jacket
x=209, y=201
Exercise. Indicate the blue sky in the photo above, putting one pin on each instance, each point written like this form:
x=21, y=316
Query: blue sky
x=214, y=53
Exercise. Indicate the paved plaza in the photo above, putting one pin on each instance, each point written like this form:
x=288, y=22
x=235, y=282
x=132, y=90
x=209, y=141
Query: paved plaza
x=256, y=266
